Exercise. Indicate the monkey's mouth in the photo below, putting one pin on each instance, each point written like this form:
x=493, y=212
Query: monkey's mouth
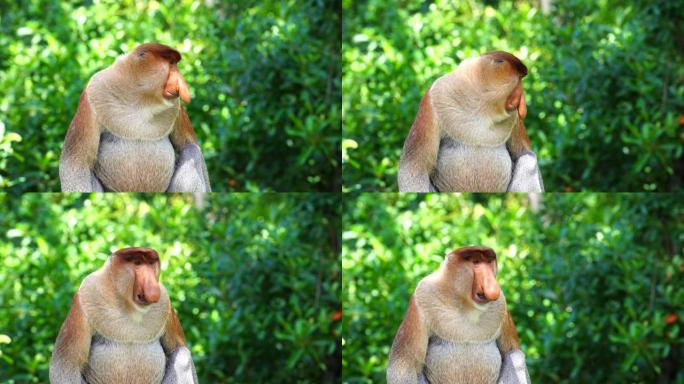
x=170, y=95
x=480, y=298
x=140, y=300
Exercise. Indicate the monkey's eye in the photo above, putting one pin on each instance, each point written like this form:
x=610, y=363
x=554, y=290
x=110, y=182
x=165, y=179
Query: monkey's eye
x=141, y=55
x=498, y=61
x=476, y=261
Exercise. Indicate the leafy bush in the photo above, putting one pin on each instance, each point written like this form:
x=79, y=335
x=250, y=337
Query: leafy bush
x=604, y=92
x=264, y=78
x=255, y=278
x=593, y=281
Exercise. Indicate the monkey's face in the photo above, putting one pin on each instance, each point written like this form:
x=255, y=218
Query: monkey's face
x=474, y=273
x=501, y=76
x=136, y=275
x=153, y=70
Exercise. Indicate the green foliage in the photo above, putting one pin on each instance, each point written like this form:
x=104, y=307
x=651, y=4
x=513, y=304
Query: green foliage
x=265, y=80
x=604, y=92
x=255, y=278
x=593, y=281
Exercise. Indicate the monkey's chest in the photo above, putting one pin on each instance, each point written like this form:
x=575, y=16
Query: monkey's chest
x=463, y=168
x=135, y=165
x=112, y=362
x=450, y=363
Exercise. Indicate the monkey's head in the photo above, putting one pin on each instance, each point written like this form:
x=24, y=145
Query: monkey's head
x=152, y=69
x=496, y=77
x=135, y=276
x=504, y=72
x=473, y=273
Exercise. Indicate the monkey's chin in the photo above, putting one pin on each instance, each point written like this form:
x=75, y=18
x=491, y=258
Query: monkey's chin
x=142, y=310
x=481, y=306
x=139, y=307
x=169, y=102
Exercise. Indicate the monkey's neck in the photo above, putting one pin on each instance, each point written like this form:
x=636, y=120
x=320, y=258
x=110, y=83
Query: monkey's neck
x=128, y=114
x=454, y=320
x=469, y=115
x=110, y=318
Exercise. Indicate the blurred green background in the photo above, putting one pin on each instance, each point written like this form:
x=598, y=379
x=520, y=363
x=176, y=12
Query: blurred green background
x=255, y=278
x=595, y=282
x=605, y=90
x=264, y=76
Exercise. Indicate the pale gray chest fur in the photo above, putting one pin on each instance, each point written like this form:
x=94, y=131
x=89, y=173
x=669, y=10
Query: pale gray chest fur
x=135, y=165
x=471, y=363
x=111, y=362
x=465, y=168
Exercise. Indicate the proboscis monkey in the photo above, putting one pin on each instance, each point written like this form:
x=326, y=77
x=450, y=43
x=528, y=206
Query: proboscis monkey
x=131, y=133
x=122, y=328
x=457, y=328
x=469, y=136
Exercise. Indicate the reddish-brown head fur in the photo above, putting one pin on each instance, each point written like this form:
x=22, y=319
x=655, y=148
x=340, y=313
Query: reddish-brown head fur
x=513, y=61
x=160, y=51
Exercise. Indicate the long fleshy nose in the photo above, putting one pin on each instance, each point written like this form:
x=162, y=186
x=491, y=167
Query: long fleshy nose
x=147, y=289
x=491, y=288
x=175, y=85
x=516, y=100
x=152, y=292
x=522, y=108
x=171, y=87
x=485, y=286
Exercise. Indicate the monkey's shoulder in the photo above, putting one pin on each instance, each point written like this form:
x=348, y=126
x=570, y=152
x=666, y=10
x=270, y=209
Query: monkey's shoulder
x=115, y=362
x=457, y=363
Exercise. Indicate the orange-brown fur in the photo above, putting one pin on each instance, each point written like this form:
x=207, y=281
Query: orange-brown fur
x=410, y=343
x=423, y=135
x=83, y=136
x=174, y=336
x=508, y=340
x=519, y=141
x=514, y=63
x=183, y=133
x=74, y=336
x=161, y=51
x=141, y=254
